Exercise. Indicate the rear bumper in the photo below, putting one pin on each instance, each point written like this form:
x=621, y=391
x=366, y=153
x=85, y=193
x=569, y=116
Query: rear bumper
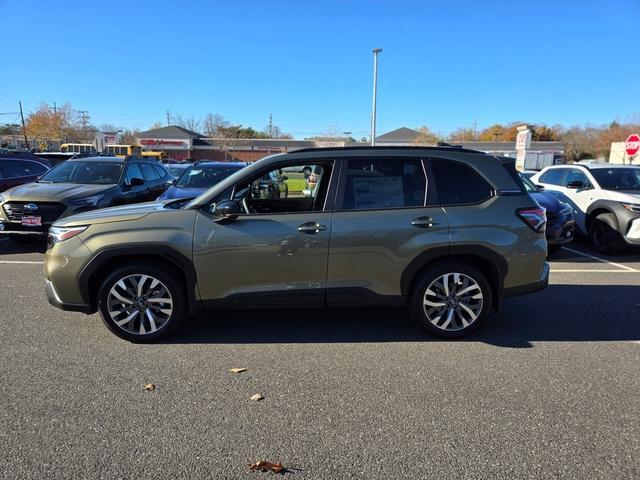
x=54, y=300
x=540, y=284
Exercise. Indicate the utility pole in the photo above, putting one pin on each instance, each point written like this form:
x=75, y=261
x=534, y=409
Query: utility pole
x=475, y=122
x=376, y=51
x=55, y=109
x=24, y=130
x=168, y=118
x=270, y=126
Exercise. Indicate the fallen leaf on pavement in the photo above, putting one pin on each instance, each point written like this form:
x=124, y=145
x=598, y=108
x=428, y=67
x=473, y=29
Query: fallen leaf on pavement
x=237, y=370
x=257, y=397
x=150, y=387
x=267, y=467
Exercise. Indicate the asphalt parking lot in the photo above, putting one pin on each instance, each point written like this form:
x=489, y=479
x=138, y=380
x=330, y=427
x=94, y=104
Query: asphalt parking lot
x=548, y=388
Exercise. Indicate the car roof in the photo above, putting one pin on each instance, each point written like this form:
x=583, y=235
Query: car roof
x=217, y=163
x=98, y=159
x=591, y=166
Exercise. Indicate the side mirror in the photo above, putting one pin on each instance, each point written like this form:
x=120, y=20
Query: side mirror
x=136, y=182
x=576, y=184
x=226, y=211
x=540, y=188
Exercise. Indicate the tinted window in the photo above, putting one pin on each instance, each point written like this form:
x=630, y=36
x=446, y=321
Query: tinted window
x=553, y=176
x=528, y=185
x=160, y=171
x=20, y=168
x=384, y=183
x=38, y=168
x=617, y=178
x=133, y=171
x=459, y=184
x=576, y=175
x=148, y=172
x=84, y=172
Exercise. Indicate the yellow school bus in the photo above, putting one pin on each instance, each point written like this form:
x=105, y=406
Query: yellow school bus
x=151, y=155
x=78, y=147
x=121, y=150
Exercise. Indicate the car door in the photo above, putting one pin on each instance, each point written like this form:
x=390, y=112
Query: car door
x=133, y=193
x=580, y=197
x=152, y=181
x=384, y=219
x=275, y=252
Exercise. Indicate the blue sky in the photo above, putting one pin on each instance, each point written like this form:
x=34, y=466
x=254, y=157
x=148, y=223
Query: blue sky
x=445, y=64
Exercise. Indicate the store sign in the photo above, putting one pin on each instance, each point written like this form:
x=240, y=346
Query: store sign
x=110, y=138
x=163, y=143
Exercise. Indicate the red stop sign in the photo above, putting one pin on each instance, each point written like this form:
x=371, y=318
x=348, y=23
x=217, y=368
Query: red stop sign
x=632, y=144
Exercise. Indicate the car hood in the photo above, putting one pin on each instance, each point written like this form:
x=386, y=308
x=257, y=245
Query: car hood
x=181, y=192
x=631, y=196
x=52, y=192
x=112, y=214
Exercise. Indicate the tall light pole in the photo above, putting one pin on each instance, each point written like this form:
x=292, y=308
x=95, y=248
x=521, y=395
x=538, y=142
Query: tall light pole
x=376, y=51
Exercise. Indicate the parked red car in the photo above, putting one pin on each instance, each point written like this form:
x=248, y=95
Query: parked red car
x=18, y=168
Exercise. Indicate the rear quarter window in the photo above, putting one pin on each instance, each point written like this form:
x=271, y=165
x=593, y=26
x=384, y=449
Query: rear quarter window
x=459, y=184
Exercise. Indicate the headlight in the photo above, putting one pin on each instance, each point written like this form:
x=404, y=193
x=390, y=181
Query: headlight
x=565, y=207
x=632, y=207
x=60, y=234
x=87, y=201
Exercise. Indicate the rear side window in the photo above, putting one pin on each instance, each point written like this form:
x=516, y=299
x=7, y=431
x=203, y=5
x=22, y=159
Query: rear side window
x=553, y=176
x=381, y=183
x=459, y=184
x=149, y=172
x=160, y=171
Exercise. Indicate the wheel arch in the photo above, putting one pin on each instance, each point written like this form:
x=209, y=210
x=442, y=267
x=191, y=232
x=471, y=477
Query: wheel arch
x=162, y=256
x=487, y=261
x=598, y=208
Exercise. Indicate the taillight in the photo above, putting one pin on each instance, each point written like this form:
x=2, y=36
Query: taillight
x=535, y=217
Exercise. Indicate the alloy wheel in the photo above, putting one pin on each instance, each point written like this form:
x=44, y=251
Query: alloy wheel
x=453, y=301
x=140, y=304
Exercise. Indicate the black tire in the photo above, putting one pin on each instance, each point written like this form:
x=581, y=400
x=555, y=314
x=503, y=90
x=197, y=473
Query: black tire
x=553, y=249
x=604, y=236
x=418, y=309
x=175, y=289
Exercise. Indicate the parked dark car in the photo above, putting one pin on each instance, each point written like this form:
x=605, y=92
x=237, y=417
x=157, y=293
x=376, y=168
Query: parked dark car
x=177, y=169
x=199, y=178
x=561, y=226
x=79, y=185
x=18, y=169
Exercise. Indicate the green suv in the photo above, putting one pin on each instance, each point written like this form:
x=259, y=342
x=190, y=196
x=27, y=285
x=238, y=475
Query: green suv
x=445, y=231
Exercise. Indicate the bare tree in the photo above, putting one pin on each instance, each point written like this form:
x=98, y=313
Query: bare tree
x=189, y=123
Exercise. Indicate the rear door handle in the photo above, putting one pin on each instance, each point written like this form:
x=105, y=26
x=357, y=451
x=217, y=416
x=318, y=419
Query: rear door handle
x=311, y=227
x=424, y=222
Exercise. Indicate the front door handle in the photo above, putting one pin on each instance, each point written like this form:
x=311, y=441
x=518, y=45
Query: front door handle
x=311, y=227
x=424, y=222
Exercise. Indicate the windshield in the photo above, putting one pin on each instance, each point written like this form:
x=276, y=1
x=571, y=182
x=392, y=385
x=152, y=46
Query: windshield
x=205, y=176
x=528, y=184
x=617, y=178
x=89, y=172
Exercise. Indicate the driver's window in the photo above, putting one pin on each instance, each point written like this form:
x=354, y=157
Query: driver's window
x=294, y=188
x=577, y=175
x=133, y=171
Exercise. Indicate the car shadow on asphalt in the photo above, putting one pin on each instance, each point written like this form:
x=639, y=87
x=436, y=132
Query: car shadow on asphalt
x=561, y=313
x=9, y=247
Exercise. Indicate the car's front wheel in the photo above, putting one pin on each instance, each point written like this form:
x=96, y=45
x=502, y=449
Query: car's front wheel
x=604, y=236
x=141, y=302
x=451, y=300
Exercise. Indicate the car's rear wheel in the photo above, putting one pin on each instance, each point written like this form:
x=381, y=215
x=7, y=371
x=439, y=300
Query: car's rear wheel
x=451, y=299
x=141, y=303
x=604, y=236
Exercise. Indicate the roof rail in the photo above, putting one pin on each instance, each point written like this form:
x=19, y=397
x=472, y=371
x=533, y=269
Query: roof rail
x=444, y=148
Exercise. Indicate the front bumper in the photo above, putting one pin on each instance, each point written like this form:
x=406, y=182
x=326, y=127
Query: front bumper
x=633, y=234
x=54, y=299
x=561, y=233
x=540, y=284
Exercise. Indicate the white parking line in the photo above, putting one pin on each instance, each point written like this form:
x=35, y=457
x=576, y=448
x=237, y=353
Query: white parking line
x=24, y=262
x=590, y=271
x=593, y=257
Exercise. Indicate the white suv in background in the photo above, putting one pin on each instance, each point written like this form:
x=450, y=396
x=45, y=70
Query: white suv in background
x=605, y=200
